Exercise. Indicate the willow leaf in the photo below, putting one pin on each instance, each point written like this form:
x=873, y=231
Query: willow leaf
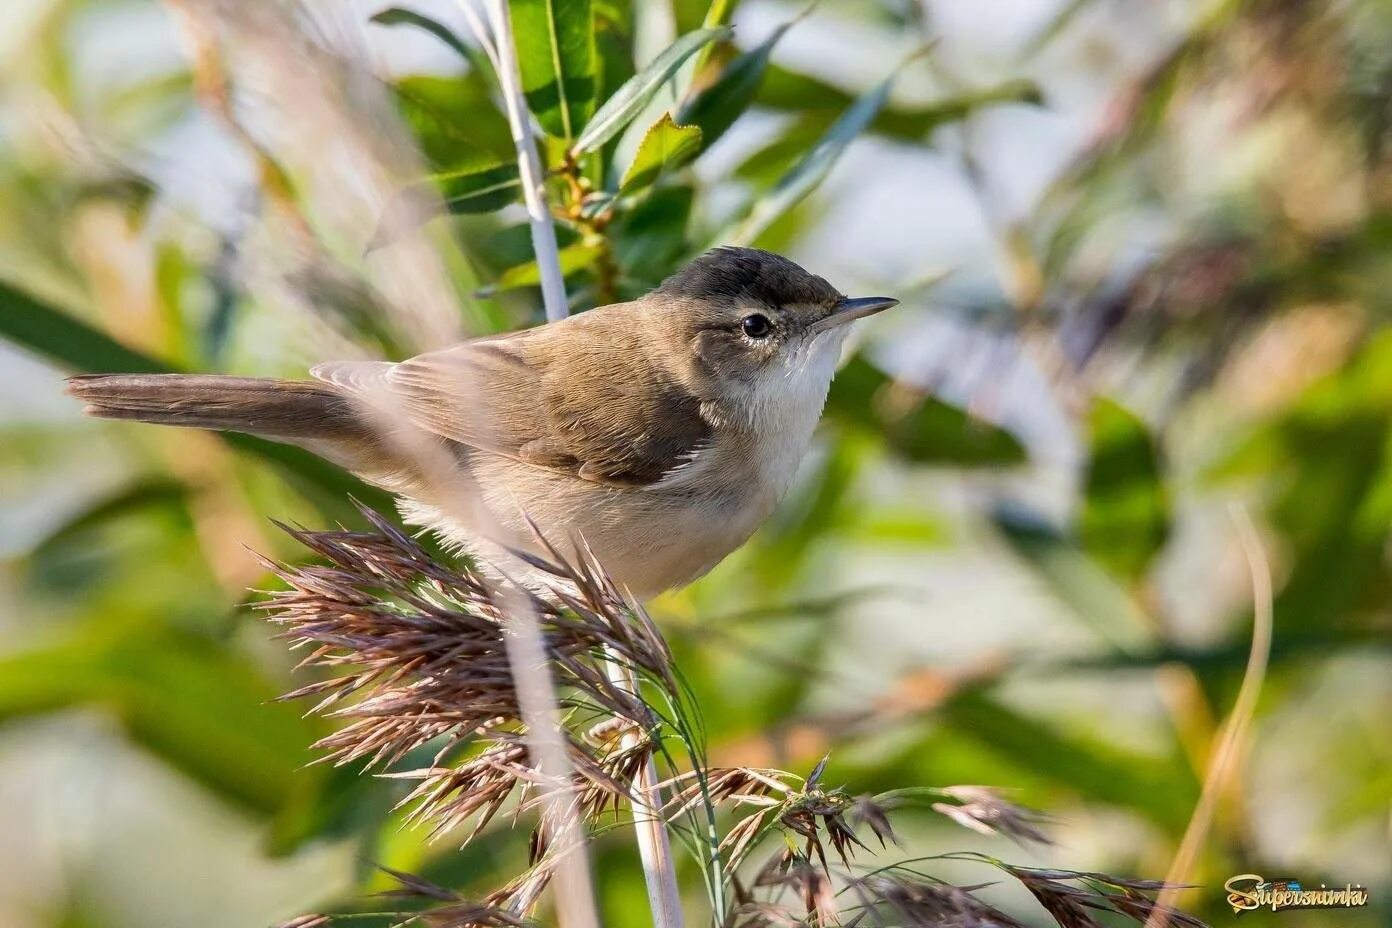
x=630, y=99
x=573, y=258
x=716, y=107
x=39, y=327
x=1125, y=519
x=666, y=146
x=556, y=54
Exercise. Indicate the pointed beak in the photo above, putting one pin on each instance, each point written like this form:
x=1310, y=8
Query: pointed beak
x=852, y=308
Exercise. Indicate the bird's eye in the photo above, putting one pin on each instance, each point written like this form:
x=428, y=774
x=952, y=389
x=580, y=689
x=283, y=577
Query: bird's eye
x=756, y=325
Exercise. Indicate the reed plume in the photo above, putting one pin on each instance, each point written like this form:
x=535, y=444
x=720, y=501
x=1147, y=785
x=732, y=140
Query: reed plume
x=413, y=654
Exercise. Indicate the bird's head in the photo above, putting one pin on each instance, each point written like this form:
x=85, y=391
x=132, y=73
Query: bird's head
x=756, y=329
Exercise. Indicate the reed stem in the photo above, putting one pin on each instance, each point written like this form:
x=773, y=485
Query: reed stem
x=654, y=848
x=553, y=294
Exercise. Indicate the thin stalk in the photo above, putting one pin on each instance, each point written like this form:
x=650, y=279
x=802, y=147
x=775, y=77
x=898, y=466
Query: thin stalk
x=553, y=295
x=527, y=659
x=536, y=697
x=654, y=849
x=1223, y=765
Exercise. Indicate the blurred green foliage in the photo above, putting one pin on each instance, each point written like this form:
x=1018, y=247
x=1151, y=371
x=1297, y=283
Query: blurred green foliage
x=1263, y=311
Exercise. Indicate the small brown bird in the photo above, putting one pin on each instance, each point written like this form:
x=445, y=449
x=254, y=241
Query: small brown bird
x=661, y=431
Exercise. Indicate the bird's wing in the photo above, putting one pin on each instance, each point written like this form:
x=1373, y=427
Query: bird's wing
x=591, y=405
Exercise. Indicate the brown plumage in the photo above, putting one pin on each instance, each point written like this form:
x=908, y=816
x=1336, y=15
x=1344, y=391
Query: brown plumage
x=660, y=431
x=273, y=408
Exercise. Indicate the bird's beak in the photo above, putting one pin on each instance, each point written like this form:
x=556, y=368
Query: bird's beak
x=852, y=308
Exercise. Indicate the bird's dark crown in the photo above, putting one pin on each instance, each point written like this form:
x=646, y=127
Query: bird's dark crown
x=749, y=275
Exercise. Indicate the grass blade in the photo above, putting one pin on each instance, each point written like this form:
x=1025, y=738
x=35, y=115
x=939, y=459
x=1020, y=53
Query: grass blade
x=39, y=327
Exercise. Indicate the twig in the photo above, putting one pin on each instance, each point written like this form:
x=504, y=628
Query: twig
x=548, y=259
x=654, y=848
x=1234, y=732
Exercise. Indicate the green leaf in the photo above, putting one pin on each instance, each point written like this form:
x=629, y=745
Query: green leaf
x=716, y=107
x=479, y=190
x=507, y=247
x=204, y=712
x=125, y=499
x=556, y=54
x=651, y=237
x=666, y=146
x=925, y=430
x=813, y=169
x=74, y=344
x=977, y=737
x=1329, y=459
x=1126, y=510
x=763, y=166
x=573, y=258
x=1077, y=582
x=474, y=189
x=1161, y=788
x=799, y=93
x=398, y=16
x=630, y=99
x=454, y=120
x=39, y=327
x=1228, y=657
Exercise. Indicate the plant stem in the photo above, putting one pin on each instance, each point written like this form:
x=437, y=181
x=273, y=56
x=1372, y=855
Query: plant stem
x=536, y=697
x=1232, y=740
x=553, y=295
x=654, y=848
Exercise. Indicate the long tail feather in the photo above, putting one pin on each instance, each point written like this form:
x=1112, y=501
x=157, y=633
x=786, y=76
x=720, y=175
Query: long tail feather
x=287, y=410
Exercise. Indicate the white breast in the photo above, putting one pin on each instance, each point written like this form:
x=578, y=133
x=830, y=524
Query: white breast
x=780, y=412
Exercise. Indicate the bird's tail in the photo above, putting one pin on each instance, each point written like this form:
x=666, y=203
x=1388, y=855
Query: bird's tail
x=285, y=410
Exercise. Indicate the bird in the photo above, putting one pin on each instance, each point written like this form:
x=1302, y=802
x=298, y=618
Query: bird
x=654, y=435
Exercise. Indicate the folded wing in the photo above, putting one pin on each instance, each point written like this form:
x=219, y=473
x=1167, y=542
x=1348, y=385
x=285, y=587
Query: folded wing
x=579, y=397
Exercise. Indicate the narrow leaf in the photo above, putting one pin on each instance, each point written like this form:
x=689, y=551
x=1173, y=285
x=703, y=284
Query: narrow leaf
x=798, y=93
x=48, y=331
x=925, y=432
x=399, y=16
x=556, y=54
x=813, y=169
x=573, y=258
x=628, y=101
x=454, y=120
x=72, y=343
x=467, y=190
x=203, y=711
x=666, y=146
x=1156, y=786
x=479, y=190
x=651, y=237
x=716, y=107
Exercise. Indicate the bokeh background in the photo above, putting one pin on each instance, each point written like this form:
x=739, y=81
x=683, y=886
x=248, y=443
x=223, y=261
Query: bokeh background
x=1145, y=256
